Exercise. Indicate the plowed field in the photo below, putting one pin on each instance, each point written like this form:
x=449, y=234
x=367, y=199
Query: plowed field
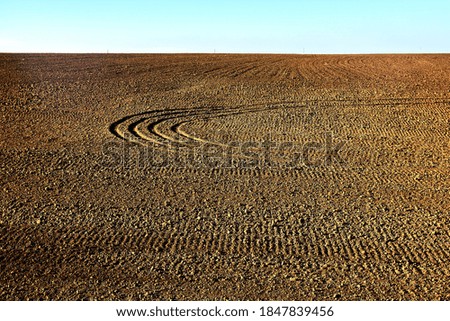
x=224, y=177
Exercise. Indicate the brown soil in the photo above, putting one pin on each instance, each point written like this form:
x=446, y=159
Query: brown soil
x=117, y=181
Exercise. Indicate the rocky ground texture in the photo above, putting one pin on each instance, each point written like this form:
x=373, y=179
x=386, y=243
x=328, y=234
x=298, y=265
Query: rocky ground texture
x=224, y=177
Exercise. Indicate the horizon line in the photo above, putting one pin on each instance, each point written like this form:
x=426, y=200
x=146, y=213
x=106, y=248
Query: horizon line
x=220, y=53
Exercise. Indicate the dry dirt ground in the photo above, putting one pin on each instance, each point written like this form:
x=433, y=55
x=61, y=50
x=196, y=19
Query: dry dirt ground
x=224, y=177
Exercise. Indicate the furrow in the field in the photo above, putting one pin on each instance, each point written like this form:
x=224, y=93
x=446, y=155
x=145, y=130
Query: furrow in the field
x=296, y=239
x=431, y=254
x=333, y=246
x=319, y=70
x=415, y=258
x=167, y=239
x=85, y=240
x=445, y=250
x=260, y=71
x=372, y=250
x=231, y=70
x=219, y=241
x=288, y=237
x=414, y=255
x=176, y=237
x=214, y=70
x=234, y=71
x=347, y=246
x=168, y=130
x=272, y=72
x=154, y=242
x=282, y=72
x=246, y=71
x=239, y=240
x=350, y=68
x=236, y=241
x=340, y=74
x=361, y=248
x=105, y=238
x=122, y=131
x=295, y=73
x=143, y=129
x=305, y=69
x=442, y=252
x=143, y=241
x=194, y=139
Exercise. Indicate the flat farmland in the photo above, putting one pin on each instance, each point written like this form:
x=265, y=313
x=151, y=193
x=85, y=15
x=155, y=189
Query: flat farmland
x=224, y=177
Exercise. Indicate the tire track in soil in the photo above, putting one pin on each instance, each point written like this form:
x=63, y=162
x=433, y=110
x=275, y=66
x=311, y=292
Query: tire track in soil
x=133, y=124
x=170, y=129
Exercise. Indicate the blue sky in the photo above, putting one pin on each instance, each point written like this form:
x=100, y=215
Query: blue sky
x=284, y=26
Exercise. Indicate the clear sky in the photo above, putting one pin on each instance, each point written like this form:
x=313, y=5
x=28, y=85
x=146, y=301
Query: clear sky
x=283, y=26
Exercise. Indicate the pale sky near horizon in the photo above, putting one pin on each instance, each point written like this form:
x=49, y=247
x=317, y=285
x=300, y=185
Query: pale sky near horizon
x=284, y=26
